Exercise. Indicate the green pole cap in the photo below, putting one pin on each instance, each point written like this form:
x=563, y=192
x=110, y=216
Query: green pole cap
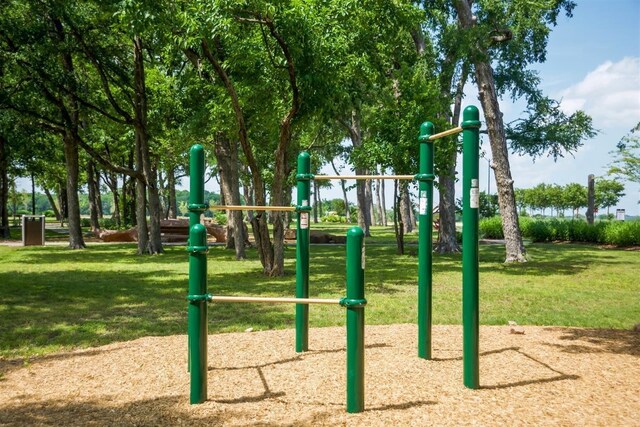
x=196, y=148
x=426, y=130
x=470, y=117
x=304, y=162
x=355, y=232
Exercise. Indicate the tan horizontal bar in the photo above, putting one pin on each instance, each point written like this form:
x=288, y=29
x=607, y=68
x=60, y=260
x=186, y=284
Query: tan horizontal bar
x=326, y=177
x=252, y=208
x=217, y=298
x=445, y=133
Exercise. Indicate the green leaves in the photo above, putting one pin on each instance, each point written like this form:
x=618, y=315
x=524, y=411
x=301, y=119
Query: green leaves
x=547, y=129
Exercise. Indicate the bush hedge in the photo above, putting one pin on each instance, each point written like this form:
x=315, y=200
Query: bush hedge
x=618, y=233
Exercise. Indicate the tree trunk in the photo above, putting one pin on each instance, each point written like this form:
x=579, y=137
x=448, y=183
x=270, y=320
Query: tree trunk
x=111, y=179
x=142, y=142
x=405, y=207
x=76, y=241
x=381, y=209
x=93, y=203
x=397, y=220
x=62, y=202
x=364, y=218
x=591, y=199
x=384, y=205
x=515, y=251
x=226, y=153
x=259, y=220
x=316, y=203
x=129, y=193
x=33, y=195
x=4, y=189
x=52, y=202
x=247, y=192
x=369, y=195
x=172, y=204
x=447, y=238
x=345, y=199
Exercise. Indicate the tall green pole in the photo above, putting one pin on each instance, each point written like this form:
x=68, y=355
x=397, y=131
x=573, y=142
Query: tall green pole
x=197, y=314
x=470, y=205
x=196, y=204
x=425, y=242
x=302, y=251
x=355, y=303
x=197, y=310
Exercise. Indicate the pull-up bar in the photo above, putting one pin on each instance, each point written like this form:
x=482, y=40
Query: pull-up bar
x=445, y=133
x=361, y=177
x=220, y=298
x=252, y=208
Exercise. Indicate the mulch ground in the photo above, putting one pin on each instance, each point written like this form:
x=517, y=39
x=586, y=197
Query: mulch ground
x=548, y=376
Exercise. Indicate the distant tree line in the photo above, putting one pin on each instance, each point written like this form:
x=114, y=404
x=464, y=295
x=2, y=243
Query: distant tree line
x=555, y=199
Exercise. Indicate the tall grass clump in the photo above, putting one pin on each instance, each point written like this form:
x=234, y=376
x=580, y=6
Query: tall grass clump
x=622, y=233
x=603, y=232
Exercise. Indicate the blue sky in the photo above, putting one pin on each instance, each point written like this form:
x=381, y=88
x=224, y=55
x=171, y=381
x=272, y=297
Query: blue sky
x=593, y=64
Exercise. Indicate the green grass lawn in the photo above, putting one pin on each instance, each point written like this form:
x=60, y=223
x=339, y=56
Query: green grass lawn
x=52, y=298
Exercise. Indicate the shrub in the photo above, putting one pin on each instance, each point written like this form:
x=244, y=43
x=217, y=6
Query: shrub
x=108, y=223
x=612, y=233
x=49, y=213
x=622, y=233
x=491, y=228
x=220, y=217
x=333, y=218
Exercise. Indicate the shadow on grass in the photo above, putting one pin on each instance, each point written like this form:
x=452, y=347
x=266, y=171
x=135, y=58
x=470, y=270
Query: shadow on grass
x=44, y=311
x=614, y=341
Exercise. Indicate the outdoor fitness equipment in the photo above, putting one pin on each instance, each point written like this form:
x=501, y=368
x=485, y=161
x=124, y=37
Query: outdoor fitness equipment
x=354, y=302
x=199, y=297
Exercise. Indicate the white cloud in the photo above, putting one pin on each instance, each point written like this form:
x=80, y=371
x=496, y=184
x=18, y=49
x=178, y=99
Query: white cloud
x=610, y=94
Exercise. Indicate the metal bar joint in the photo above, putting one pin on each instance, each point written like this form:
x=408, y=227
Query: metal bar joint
x=197, y=207
x=199, y=298
x=197, y=249
x=353, y=302
x=305, y=177
x=424, y=177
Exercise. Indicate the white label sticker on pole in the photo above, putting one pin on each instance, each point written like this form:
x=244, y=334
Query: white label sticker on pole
x=304, y=220
x=423, y=203
x=474, y=200
x=362, y=258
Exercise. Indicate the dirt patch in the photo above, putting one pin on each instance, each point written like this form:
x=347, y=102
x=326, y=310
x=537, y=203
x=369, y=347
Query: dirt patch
x=548, y=376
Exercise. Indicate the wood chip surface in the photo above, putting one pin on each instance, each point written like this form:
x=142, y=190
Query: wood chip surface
x=548, y=376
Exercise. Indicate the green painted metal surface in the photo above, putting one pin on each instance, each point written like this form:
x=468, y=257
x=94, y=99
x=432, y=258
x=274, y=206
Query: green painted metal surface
x=302, y=251
x=196, y=184
x=197, y=314
x=355, y=320
x=470, y=205
x=425, y=243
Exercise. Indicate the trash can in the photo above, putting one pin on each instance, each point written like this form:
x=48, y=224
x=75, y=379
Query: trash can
x=32, y=230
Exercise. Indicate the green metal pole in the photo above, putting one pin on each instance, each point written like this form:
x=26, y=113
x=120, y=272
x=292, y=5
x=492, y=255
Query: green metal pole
x=197, y=313
x=470, y=205
x=196, y=184
x=302, y=251
x=196, y=207
x=355, y=320
x=425, y=242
